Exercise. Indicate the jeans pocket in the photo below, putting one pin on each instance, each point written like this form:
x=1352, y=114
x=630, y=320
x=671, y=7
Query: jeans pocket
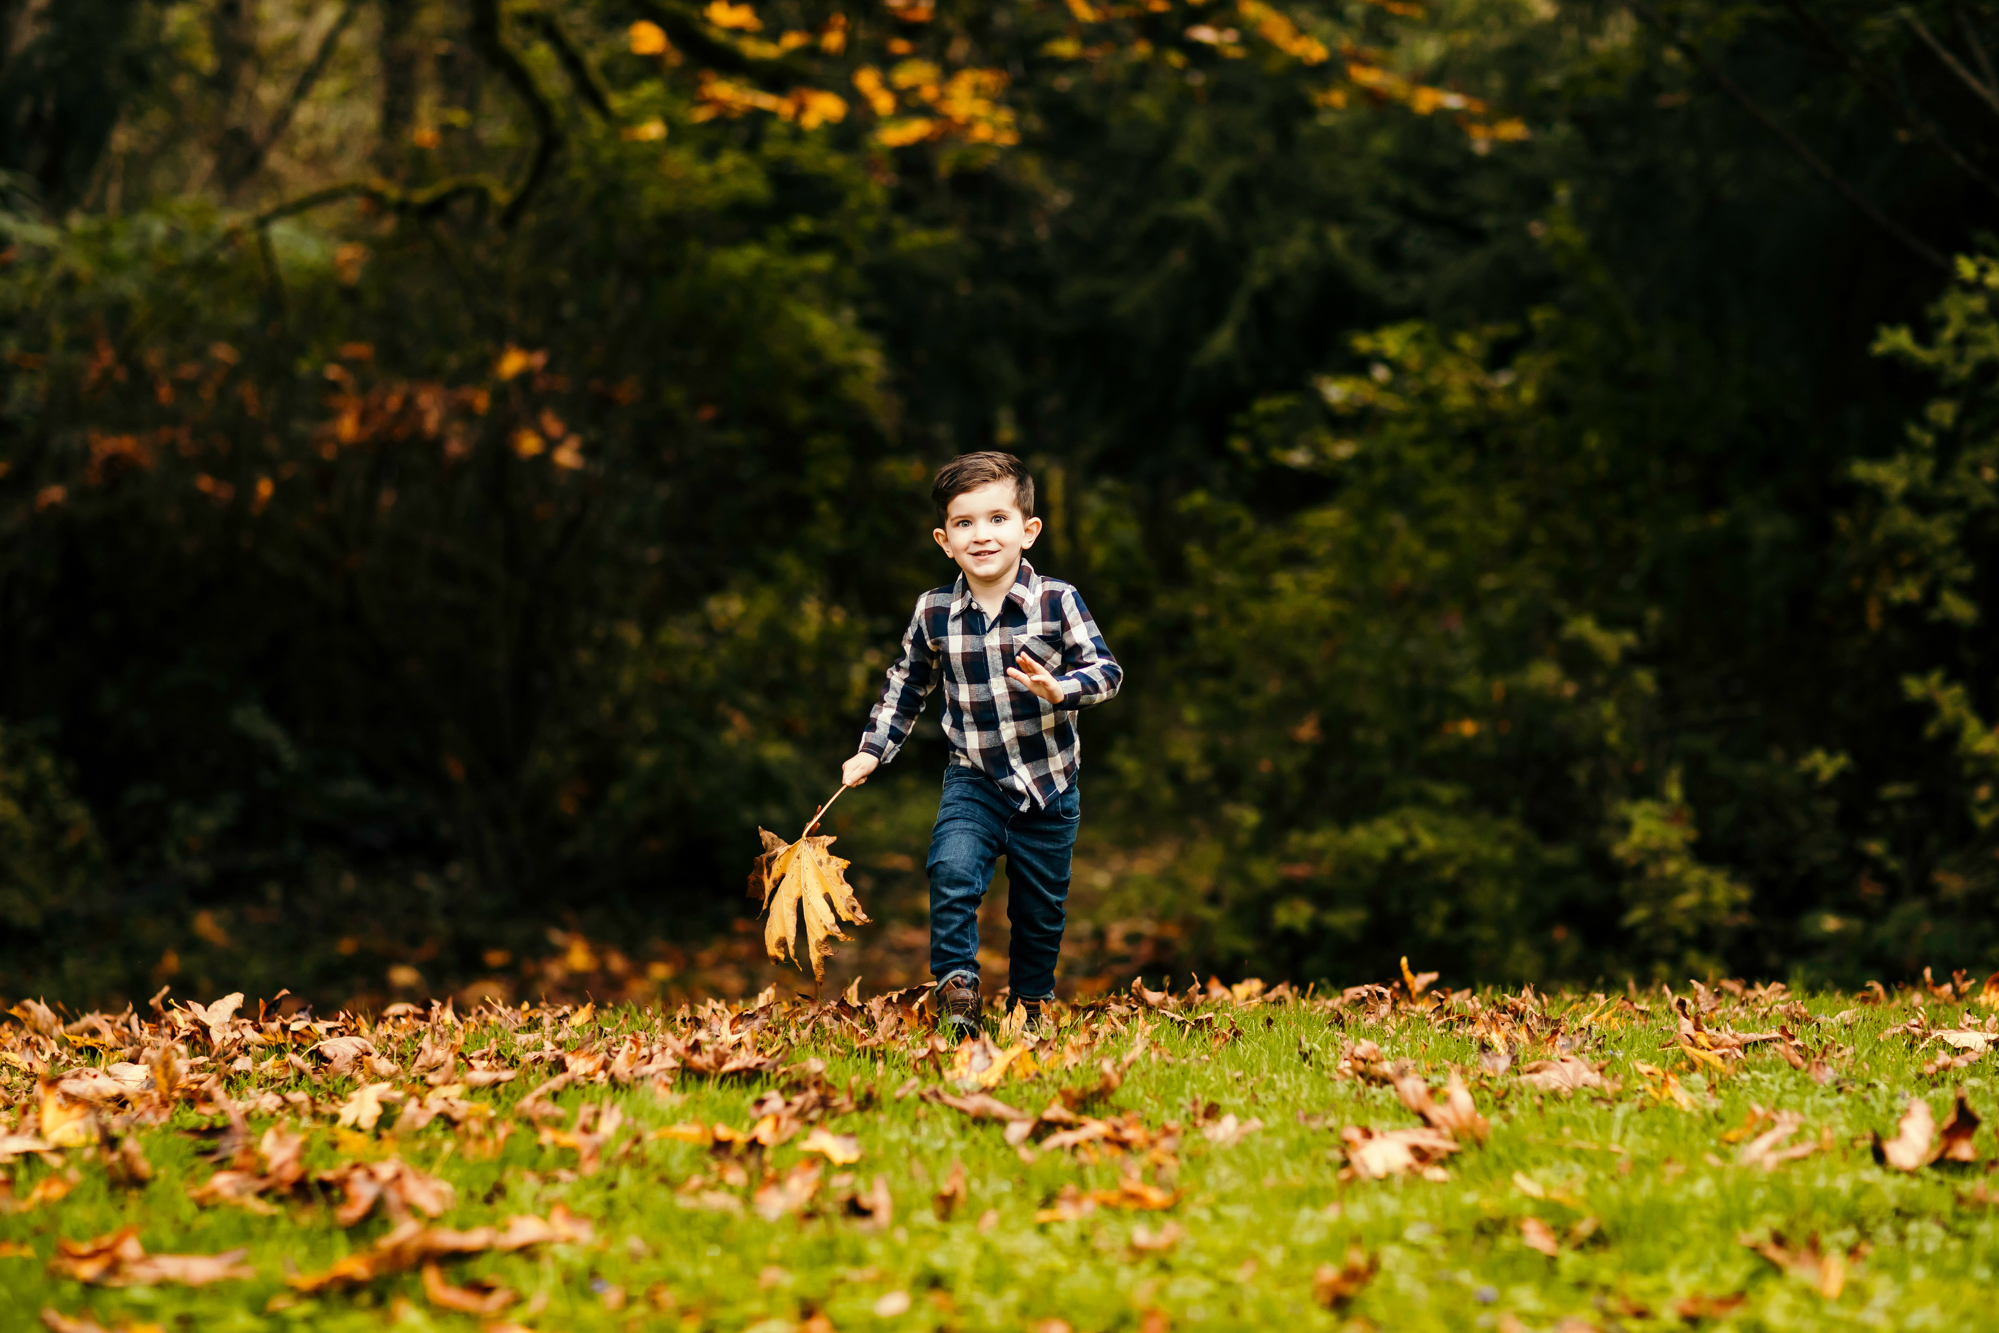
x=1069, y=805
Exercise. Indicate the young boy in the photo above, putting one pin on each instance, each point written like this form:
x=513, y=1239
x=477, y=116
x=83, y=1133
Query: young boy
x=1018, y=655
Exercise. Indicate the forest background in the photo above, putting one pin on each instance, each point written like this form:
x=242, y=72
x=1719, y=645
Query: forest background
x=465, y=468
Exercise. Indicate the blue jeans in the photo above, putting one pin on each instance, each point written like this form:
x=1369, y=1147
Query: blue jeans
x=977, y=823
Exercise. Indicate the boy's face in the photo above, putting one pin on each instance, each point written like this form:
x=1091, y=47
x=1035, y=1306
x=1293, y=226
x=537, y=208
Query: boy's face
x=984, y=533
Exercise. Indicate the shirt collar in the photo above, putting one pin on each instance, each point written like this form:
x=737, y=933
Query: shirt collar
x=1026, y=590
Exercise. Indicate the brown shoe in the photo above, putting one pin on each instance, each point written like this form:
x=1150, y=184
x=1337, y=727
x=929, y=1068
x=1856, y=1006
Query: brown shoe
x=958, y=1004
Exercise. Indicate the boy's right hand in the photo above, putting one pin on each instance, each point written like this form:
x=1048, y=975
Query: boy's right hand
x=855, y=771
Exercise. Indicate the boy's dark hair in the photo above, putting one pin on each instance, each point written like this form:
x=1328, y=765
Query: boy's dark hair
x=968, y=472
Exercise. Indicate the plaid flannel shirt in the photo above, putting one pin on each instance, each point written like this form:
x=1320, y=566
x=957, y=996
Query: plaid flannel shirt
x=995, y=725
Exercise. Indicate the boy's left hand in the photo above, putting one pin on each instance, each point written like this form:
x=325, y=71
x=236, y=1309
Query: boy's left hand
x=1031, y=675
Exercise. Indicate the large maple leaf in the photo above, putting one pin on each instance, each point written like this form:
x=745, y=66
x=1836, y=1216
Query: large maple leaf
x=803, y=879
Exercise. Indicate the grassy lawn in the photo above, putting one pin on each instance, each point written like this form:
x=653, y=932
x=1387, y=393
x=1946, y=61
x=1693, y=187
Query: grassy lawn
x=1133, y=1203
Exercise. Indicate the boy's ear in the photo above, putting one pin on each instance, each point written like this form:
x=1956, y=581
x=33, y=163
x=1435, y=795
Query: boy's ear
x=943, y=542
x=1030, y=529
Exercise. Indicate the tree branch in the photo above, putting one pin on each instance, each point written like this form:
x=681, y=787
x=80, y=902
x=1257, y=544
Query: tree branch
x=1950, y=61
x=1871, y=82
x=1977, y=47
x=1699, y=60
x=574, y=63
x=489, y=36
x=253, y=160
x=424, y=203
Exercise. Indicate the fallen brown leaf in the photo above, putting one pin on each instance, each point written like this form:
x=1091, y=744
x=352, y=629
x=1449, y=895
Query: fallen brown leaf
x=595, y=1126
x=1702, y=1306
x=977, y=1064
x=481, y=1298
x=363, y=1108
x=280, y=1154
x=1909, y=1150
x=1147, y=1241
x=125, y=1165
x=342, y=1054
x=978, y=1105
x=411, y=1244
x=66, y=1121
x=1373, y=1155
x=1537, y=1235
x=876, y=1206
x=951, y=1195
x=1228, y=1130
x=1564, y=1075
x=1955, y=1138
x=1131, y=1193
x=779, y=1195
x=839, y=1149
x=399, y=1187
x=1334, y=1287
x=1768, y=1151
x=119, y=1260
x=1457, y=1116
x=1973, y=1040
x=51, y=1188
x=58, y=1322
x=1826, y=1272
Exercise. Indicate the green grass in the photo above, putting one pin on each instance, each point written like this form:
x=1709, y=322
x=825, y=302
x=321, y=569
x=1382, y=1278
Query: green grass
x=1259, y=1216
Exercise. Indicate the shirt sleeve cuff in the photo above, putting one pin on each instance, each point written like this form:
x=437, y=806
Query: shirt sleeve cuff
x=1072, y=691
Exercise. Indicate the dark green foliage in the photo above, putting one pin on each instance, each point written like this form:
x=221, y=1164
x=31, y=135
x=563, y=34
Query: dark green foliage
x=1519, y=550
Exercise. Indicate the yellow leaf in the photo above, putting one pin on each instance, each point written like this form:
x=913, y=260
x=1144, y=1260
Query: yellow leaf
x=908, y=130
x=916, y=74
x=690, y=1131
x=839, y=1149
x=813, y=107
x=66, y=1122
x=649, y=39
x=742, y=18
x=527, y=444
x=868, y=80
x=804, y=879
x=517, y=361
x=646, y=133
x=363, y=1110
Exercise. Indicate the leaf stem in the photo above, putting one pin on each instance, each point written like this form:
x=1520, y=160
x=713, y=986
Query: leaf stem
x=814, y=823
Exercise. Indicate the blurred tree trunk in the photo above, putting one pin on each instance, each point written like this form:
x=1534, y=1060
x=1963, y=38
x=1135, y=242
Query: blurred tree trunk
x=232, y=34
x=69, y=68
x=460, y=79
x=399, y=60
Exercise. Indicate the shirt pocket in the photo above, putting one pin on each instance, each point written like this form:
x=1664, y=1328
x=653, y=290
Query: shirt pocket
x=1041, y=650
